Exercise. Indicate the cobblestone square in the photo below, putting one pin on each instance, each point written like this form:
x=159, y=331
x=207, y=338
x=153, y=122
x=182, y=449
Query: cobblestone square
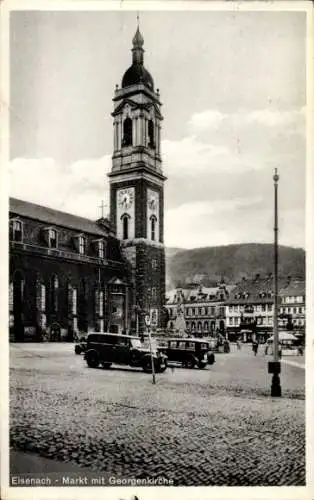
x=217, y=426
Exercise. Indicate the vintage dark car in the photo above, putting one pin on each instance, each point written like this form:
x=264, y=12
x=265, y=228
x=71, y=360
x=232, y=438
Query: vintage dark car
x=108, y=348
x=190, y=352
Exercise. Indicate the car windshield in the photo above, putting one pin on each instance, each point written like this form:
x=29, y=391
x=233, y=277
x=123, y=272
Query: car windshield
x=136, y=343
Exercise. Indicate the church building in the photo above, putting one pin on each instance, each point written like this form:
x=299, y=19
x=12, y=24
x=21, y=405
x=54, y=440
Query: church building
x=69, y=274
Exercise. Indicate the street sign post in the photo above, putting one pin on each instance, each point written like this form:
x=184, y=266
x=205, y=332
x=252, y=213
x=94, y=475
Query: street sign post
x=147, y=323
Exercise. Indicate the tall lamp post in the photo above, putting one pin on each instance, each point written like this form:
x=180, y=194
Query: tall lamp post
x=274, y=366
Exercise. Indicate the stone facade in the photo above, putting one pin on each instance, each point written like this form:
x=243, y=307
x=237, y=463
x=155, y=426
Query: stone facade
x=56, y=283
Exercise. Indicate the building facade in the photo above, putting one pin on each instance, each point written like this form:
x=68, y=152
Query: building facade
x=66, y=273
x=204, y=309
x=137, y=185
x=250, y=308
x=292, y=306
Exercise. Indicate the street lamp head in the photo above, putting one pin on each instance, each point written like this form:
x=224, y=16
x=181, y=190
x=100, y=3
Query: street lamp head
x=276, y=176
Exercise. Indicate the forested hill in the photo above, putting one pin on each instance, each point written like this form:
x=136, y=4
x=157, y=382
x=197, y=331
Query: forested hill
x=232, y=262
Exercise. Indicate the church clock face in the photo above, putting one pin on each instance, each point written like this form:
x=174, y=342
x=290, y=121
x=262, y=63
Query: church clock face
x=126, y=198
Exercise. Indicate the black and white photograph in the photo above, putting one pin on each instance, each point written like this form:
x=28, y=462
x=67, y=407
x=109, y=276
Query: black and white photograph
x=157, y=304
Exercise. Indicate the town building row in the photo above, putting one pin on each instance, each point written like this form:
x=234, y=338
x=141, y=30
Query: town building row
x=244, y=310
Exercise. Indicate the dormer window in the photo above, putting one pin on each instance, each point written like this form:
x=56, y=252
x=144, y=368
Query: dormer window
x=17, y=230
x=81, y=245
x=99, y=246
x=52, y=238
x=101, y=249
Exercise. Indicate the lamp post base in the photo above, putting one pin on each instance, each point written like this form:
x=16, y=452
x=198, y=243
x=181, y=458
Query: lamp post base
x=275, y=386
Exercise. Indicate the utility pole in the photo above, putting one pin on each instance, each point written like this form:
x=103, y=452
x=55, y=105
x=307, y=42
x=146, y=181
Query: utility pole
x=274, y=366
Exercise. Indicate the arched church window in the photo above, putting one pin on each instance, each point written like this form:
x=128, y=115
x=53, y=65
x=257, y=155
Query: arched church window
x=54, y=293
x=127, y=132
x=125, y=226
x=151, y=135
x=153, y=221
x=17, y=315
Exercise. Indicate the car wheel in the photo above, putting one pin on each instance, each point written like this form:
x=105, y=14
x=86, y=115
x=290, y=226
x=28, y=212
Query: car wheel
x=211, y=359
x=92, y=360
x=147, y=366
x=190, y=363
x=77, y=349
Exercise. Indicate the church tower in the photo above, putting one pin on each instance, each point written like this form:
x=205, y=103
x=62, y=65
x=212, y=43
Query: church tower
x=137, y=184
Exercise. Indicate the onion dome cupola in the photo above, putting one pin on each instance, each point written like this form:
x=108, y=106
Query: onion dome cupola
x=137, y=73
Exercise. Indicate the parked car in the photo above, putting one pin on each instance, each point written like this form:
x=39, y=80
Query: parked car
x=190, y=352
x=80, y=346
x=108, y=348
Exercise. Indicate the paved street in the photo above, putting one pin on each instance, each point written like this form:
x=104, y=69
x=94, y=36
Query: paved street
x=217, y=426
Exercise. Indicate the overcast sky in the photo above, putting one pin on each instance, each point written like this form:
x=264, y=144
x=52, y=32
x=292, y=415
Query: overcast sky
x=233, y=93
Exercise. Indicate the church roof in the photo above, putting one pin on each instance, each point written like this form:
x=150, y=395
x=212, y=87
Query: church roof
x=55, y=217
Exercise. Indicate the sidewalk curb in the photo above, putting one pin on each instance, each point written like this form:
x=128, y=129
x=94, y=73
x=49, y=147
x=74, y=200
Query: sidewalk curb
x=293, y=363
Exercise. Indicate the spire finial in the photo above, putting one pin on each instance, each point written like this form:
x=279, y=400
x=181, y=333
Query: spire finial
x=138, y=42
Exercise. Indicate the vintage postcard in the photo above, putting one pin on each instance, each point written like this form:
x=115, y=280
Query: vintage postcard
x=156, y=202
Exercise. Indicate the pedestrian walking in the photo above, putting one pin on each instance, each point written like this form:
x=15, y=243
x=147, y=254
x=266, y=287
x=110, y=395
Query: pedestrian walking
x=255, y=347
x=266, y=349
x=238, y=345
x=226, y=345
